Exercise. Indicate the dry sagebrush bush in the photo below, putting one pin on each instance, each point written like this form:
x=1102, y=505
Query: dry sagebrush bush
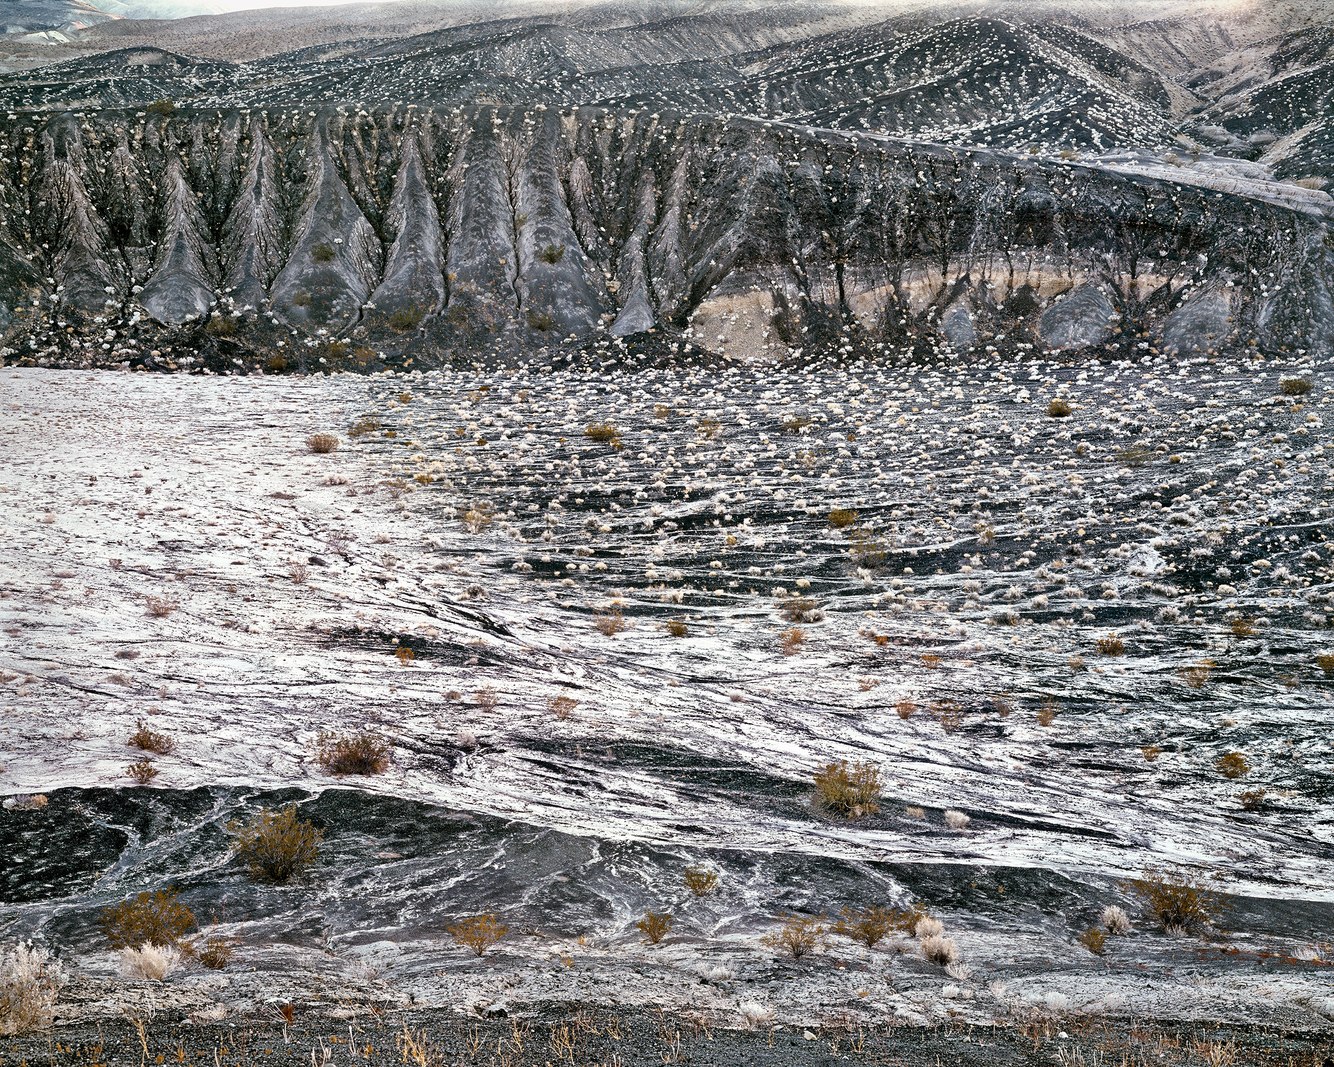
x=1232, y=765
x=842, y=518
x=150, y=740
x=151, y=918
x=142, y=770
x=276, y=846
x=1115, y=920
x=796, y=935
x=478, y=932
x=1177, y=899
x=359, y=753
x=1060, y=408
x=1110, y=645
x=849, y=790
x=872, y=925
x=149, y=963
x=216, y=952
x=701, y=880
x=29, y=986
x=322, y=443
x=655, y=925
x=1094, y=939
x=939, y=949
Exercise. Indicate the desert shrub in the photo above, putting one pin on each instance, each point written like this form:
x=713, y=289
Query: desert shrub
x=322, y=443
x=1253, y=799
x=796, y=935
x=149, y=963
x=701, y=880
x=151, y=918
x=791, y=640
x=551, y=253
x=142, y=770
x=404, y=654
x=1196, y=677
x=404, y=319
x=939, y=949
x=1060, y=409
x=801, y=609
x=655, y=925
x=927, y=926
x=29, y=986
x=216, y=952
x=1150, y=752
x=1115, y=920
x=1178, y=900
x=1110, y=645
x=486, y=698
x=478, y=932
x=956, y=820
x=1295, y=386
x=362, y=427
x=1325, y=661
x=562, y=706
x=610, y=623
x=1232, y=765
x=542, y=321
x=842, y=518
x=276, y=846
x=1094, y=939
x=150, y=740
x=359, y=753
x=849, y=790
x=604, y=433
x=872, y=925
x=677, y=627
x=220, y=326
x=301, y=298
x=160, y=607
x=162, y=108
x=905, y=708
x=323, y=253
x=1242, y=626
x=1046, y=713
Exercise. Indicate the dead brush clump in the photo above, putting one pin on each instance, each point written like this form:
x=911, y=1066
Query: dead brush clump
x=159, y=607
x=677, y=627
x=796, y=935
x=142, y=770
x=1094, y=939
x=939, y=949
x=322, y=443
x=801, y=609
x=1325, y=661
x=1232, y=765
x=562, y=706
x=655, y=926
x=848, y=790
x=1180, y=902
x=1295, y=386
x=478, y=932
x=701, y=880
x=610, y=623
x=1242, y=626
x=30, y=984
x=276, y=846
x=1197, y=677
x=842, y=518
x=1060, y=408
x=872, y=925
x=1110, y=645
x=604, y=433
x=791, y=640
x=216, y=952
x=151, y=918
x=150, y=740
x=359, y=753
x=1253, y=799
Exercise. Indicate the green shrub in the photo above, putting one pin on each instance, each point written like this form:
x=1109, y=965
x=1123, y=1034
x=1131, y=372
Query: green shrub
x=360, y=753
x=276, y=846
x=849, y=790
x=151, y=918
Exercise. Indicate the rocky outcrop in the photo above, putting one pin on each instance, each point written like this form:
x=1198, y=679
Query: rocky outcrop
x=425, y=231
